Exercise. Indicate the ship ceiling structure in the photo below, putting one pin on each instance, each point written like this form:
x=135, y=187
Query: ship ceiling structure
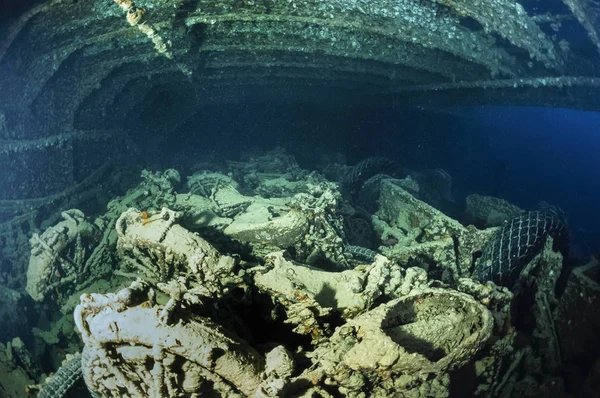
x=77, y=74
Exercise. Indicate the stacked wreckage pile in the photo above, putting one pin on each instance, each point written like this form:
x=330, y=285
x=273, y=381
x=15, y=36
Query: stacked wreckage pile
x=261, y=282
x=265, y=279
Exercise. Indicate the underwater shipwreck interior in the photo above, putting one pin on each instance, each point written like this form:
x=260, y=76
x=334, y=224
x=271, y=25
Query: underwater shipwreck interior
x=270, y=198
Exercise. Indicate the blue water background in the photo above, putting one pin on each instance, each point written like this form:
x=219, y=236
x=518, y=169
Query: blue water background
x=546, y=154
